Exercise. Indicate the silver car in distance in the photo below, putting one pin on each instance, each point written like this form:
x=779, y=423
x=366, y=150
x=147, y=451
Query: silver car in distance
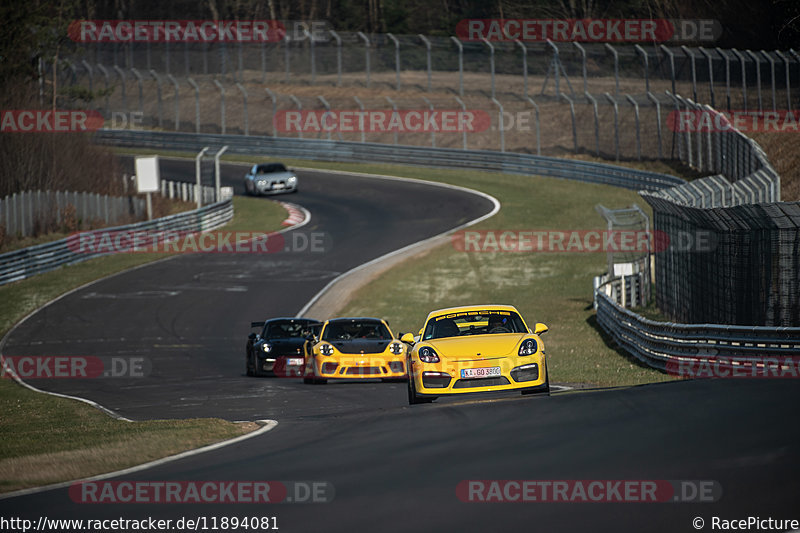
x=270, y=178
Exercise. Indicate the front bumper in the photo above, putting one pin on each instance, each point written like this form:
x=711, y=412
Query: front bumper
x=360, y=367
x=275, y=187
x=281, y=365
x=440, y=379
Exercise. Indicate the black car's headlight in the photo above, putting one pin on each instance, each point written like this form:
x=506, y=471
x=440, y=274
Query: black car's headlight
x=266, y=347
x=396, y=348
x=326, y=349
x=528, y=347
x=428, y=355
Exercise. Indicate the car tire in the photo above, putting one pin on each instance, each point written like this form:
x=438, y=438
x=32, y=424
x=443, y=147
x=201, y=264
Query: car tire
x=413, y=397
x=544, y=390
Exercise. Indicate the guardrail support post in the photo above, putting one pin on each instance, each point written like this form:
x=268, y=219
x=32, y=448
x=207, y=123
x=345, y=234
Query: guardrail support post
x=311, y=51
x=616, y=123
x=524, y=67
x=616, y=68
x=221, y=103
x=460, y=66
x=638, y=135
x=197, y=173
x=396, y=59
x=491, y=60
x=366, y=53
x=653, y=99
x=710, y=59
x=596, y=123
x=646, y=63
x=572, y=113
x=338, y=57
x=671, y=65
x=428, y=56
x=692, y=62
x=583, y=63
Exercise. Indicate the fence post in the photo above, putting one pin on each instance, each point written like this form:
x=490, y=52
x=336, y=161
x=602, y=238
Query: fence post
x=286, y=58
x=338, y=57
x=263, y=61
x=121, y=75
x=106, y=80
x=616, y=123
x=274, y=109
x=460, y=66
x=757, y=63
x=221, y=103
x=583, y=63
x=574, y=128
x=361, y=107
x=690, y=55
x=217, y=173
x=463, y=130
x=197, y=173
x=646, y=63
x=244, y=104
x=772, y=77
x=139, y=81
x=366, y=53
x=328, y=110
x=311, y=52
x=158, y=89
x=638, y=135
x=394, y=109
x=596, y=122
x=299, y=105
x=707, y=54
x=616, y=68
x=491, y=60
x=196, y=104
x=671, y=65
x=744, y=77
x=538, y=136
x=166, y=56
x=396, y=59
x=428, y=56
x=177, y=100
x=727, y=76
x=88, y=68
x=652, y=98
x=556, y=61
x=433, y=130
x=524, y=66
x=788, y=83
x=502, y=125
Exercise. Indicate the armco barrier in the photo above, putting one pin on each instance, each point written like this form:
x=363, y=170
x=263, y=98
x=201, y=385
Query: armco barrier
x=27, y=262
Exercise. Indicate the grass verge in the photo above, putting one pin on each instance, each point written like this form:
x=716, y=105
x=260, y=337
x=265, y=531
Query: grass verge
x=44, y=439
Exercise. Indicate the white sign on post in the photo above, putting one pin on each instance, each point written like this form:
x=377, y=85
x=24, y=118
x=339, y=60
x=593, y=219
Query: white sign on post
x=148, y=179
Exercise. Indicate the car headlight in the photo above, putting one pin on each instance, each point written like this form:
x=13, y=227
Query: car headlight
x=326, y=349
x=266, y=347
x=396, y=348
x=428, y=355
x=262, y=182
x=292, y=180
x=528, y=347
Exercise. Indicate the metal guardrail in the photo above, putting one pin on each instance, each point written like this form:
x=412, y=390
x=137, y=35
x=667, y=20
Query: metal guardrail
x=662, y=344
x=355, y=152
x=27, y=262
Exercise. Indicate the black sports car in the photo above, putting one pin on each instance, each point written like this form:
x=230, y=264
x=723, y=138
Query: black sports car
x=280, y=348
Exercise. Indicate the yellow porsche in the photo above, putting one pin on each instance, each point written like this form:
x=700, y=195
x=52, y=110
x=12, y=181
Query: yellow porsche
x=355, y=348
x=475, y=349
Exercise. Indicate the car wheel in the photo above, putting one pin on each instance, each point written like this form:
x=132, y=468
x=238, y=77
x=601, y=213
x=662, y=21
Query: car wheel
x=541, y=389
x=413, y=398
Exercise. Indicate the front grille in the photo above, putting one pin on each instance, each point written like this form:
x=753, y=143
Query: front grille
x=329, y=368
x=364, y=370
x=528, y=374
x=435, y=382
x=396, y=366
x=480, y=382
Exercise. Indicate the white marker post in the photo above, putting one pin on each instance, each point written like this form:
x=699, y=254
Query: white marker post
x=148, y=179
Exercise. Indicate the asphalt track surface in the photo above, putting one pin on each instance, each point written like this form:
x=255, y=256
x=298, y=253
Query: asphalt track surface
x=395, y=467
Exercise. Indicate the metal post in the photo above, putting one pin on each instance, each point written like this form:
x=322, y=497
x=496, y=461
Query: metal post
x=460, y=66
x=361, y=107
x=241, y=62
x=653, y=99
x=491, y=60
x=311, y=51
x=707, y=54
x=596, y=123
x=772, y=76
x=788, y=83
x=366, y=53
x=556, y=62
x=139, y=81
x=158, y=88
x=744, y=77
x=690, y=55
x=616, y=123
x=263, y=61
x=244, y=103
x=638, y=135
x=221, y=103
x=396, y=58
x=428, y=55
x=217, y=173
x=671, y=65
x=538, y=136
x=502, y=125
x=574, y=129
x=328, y=110
x=616, y=68
x=196, y=104
x=166, y=56
x=299, y=105
x=727, y=76
x=755, y=59
x=177, y=101
x=433, y=130
x=394, y=109
x=121, y=75
x=103, y=71
x=463, y=131
x=88, y=68
x=197, y=173
x=524, y=67
x=338, y=57
x=286, y=57
x=646, y=63
x=583, y=63
x=186, y=58
x=274, y=98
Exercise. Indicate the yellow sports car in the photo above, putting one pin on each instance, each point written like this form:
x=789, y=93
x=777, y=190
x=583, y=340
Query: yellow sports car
x=475, y=349
x=359, y=348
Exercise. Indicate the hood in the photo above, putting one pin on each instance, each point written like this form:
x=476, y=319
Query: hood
x=477, y=347
x=360, y=346
x=288, y=346
x=275, y=176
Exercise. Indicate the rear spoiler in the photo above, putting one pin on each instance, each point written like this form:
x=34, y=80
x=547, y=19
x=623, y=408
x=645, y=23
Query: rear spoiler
x=257, y=324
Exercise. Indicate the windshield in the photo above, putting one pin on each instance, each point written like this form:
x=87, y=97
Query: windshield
x=269, y=168
x=481, y=322
x=356, y=329
x=285, y=329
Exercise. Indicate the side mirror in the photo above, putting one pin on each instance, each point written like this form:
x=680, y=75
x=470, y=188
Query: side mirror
x=540, y=328
x=407, y=338
x=252, y=336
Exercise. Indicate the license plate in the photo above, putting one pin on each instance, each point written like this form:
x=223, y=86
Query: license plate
x=295, y=361
x=489, y=372
x=278, y=185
